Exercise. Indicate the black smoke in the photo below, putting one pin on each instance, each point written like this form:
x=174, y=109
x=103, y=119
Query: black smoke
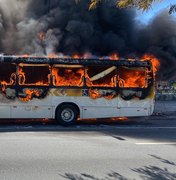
x=71, y=27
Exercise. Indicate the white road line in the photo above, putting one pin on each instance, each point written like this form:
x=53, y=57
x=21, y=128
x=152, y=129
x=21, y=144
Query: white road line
x=149, y=127
x=156, y=143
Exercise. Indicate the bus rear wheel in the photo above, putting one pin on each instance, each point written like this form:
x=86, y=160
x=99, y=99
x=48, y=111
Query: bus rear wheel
x=66, y=114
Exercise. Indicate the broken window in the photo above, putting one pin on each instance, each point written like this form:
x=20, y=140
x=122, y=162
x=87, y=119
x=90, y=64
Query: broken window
x=30, y=74
x=68, y=75
x=101, y=76
x=7, y=74
x=132, y=77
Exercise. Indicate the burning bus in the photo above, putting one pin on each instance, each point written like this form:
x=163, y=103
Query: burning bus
x=67, y=88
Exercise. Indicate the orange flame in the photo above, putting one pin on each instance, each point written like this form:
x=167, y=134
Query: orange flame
x=132, y=77
x=114, y=56
x=76, y=56
x=29, y=94
x=52, y=55
x=155, y=62
x=69, y=78
x=24, y=55
x=41, y=36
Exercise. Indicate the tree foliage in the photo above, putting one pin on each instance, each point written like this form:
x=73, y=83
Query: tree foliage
x=140, y=4
x=172, y=9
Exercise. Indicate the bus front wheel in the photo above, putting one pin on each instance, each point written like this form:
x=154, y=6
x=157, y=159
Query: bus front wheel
x=66, y=114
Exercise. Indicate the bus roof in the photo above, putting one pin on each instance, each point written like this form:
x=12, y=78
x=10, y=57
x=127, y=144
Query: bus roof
x=48, y=60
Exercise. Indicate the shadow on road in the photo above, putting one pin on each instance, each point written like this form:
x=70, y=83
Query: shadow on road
x=155, y=173
x=84, y=176
x=163, y=160
x=146, y=173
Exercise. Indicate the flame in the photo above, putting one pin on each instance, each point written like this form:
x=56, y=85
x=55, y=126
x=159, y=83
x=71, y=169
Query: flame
x=41, y=36
x=114, y=56
x=52, y=55
x=76, y=56
x=30, y=93
x=119, y=119
x=107, y=82
x=155, y=62
x=24, y=55
x=4, y=85
x=132, y=77
x=71, y=77
x=22, y=79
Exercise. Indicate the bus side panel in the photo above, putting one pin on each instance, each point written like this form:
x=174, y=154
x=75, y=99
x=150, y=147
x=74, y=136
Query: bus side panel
x=100, y=112
x=136, y=107
x=29, y=111
x=133, y=112
x=4, y=111
x=90, y=108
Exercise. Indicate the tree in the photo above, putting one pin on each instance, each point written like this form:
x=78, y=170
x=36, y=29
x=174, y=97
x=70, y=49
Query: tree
x=172, y=9
x=140, y=4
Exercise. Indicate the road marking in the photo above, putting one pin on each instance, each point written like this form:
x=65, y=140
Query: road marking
x=145, y=127
x=157, y=143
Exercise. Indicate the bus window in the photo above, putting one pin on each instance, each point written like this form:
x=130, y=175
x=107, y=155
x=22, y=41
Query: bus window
x=7, y=73
x=34, y=74
x=68, y=75
x=101, y=76
x=132, y=77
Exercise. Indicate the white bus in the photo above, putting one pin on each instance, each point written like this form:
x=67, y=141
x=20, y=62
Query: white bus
x=65, y=89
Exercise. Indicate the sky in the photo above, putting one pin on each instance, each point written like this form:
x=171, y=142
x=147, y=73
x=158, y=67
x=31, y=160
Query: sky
x=157, y=6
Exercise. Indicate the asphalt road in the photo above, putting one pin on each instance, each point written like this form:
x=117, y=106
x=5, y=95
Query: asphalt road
x=139, y=150
x=91, y=150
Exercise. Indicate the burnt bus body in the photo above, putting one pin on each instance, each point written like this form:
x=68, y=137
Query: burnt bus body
x=28, y=78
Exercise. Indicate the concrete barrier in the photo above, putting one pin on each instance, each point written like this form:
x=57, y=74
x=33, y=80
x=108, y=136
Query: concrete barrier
x=165, y=107
x=166, y=97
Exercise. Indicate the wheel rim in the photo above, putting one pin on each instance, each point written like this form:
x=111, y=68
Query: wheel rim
x=67, y=115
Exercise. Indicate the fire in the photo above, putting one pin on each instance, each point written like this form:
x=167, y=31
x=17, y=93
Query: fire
x=76, y=75
x=105, y=78
x=41, y=36
x=119, y=119
x=113, y=56
x=52, y=55
x=68, y=76
x=22, y=79
x=4, y=85
x=30, y=93
x=24, y=55
x=76, y=56
x=94, y=93
x=132, y=77
x=155, y=62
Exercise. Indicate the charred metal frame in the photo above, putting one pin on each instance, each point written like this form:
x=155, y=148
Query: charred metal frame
x=70, y=61
x=51, y=61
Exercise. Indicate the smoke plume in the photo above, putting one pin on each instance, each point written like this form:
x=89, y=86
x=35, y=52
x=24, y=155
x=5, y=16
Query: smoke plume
x=42, y=27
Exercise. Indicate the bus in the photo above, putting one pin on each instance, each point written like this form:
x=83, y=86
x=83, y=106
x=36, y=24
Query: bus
x=66, y=89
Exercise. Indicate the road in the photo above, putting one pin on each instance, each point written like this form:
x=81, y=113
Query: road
x=89, y=151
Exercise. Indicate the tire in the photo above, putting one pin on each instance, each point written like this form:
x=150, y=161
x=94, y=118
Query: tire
x=66, y=114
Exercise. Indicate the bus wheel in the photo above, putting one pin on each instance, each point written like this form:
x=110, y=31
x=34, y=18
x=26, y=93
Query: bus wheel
x=66, y=114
